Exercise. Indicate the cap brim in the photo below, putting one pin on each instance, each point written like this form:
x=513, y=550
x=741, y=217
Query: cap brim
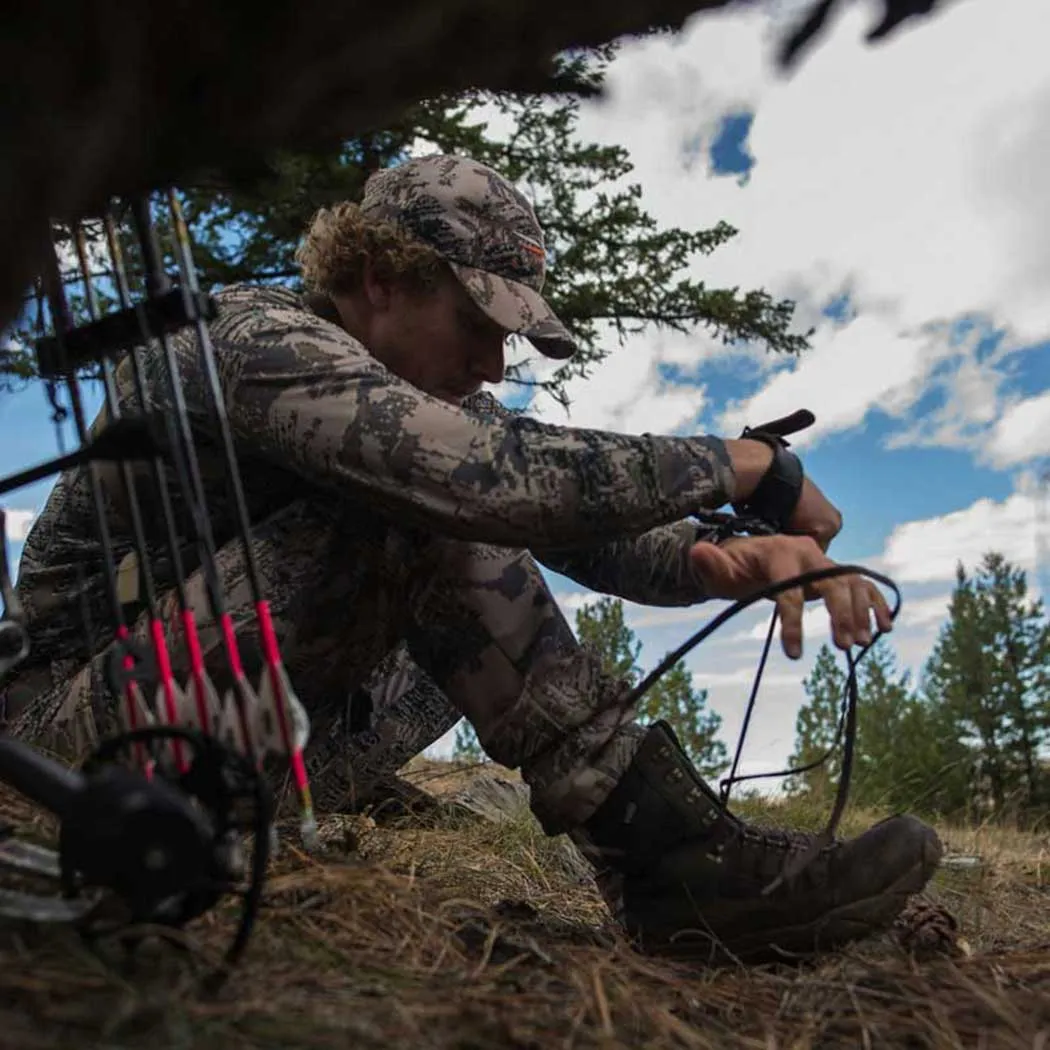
x=517, y=308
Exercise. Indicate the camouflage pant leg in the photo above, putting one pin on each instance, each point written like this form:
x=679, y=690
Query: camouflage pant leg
x=395, y=715
x=491, y=635
x=335, y=595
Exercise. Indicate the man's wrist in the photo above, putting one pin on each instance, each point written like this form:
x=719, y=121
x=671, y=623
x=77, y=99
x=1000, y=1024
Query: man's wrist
x=750, y=459
x=776, y=496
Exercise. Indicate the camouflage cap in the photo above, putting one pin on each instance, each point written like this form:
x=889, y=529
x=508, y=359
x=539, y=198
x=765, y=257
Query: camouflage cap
x=485, y=229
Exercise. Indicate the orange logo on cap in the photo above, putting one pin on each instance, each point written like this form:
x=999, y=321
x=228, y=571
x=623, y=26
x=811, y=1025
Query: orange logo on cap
x=534, y=249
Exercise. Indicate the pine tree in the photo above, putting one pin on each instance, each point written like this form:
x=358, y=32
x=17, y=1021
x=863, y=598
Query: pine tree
x=613, y=272
x=601, y=625
x=882, y=762
x=906, y=756
x=466, y=747
x=988, y=673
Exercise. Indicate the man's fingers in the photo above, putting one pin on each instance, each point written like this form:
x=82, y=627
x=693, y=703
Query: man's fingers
x=852, y=601
x=736, y=568
x=868, y=603
x=715, y=568
x=802, y=555
x=851, y=607
x=860, y=592
x=790, y=605
x=838, y=598
x=881, y=608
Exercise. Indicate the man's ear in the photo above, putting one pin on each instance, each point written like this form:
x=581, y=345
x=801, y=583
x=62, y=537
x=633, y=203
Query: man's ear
x=378, y=291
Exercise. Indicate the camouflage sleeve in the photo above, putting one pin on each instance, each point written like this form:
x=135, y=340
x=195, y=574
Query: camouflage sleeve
x=305, y=395
x=652, y=569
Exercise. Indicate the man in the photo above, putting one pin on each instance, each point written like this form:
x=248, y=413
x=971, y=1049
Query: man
x=386, y=513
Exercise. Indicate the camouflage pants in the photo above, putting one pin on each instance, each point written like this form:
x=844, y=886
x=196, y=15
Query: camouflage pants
x=478, y=621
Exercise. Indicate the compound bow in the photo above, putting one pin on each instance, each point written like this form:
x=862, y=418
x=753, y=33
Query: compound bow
x=159, y=812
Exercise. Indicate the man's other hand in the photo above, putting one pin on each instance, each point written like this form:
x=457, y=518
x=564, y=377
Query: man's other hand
x=742, y=565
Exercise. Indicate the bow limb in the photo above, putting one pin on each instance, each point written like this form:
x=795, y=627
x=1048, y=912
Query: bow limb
x=160, y=841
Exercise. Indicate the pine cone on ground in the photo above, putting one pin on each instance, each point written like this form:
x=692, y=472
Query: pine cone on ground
x=926, y=930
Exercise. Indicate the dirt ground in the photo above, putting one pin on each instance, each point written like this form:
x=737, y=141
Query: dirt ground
x=449, y=932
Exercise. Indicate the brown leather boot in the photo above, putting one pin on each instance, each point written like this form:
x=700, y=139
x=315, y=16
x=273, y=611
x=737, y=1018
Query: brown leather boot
x=692, y=876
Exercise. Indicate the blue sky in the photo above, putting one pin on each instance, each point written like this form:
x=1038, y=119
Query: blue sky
x=891, y=192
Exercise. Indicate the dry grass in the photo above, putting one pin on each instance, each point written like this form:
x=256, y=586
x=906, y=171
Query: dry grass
x=471, y=935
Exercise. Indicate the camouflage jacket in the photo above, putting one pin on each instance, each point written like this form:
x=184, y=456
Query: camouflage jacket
x=315, y=414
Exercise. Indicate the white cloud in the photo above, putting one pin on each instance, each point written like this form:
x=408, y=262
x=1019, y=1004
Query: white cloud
x=690, y=617
x=626, y=393
x=18, y=524
x=1022, y=432
x=742, y=677
x=851, y=369
x=571, y=601
x=875, y=165
x=904, y=174
x=928, y=550
x=974, y=406
x=641, y=617
x=816, y=627
x=923, y=612
x=442, y=748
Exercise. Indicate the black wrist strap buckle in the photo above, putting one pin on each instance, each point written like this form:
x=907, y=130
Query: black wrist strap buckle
x=780, y=428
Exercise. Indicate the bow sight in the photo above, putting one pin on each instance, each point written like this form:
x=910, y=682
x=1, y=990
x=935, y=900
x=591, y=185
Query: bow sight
x=154, y=825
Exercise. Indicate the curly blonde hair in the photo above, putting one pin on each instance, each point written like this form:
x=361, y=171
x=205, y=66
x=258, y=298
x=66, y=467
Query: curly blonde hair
x=338, y=241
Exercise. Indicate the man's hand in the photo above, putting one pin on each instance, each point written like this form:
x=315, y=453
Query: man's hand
x=815, y=516
x=742, y=565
